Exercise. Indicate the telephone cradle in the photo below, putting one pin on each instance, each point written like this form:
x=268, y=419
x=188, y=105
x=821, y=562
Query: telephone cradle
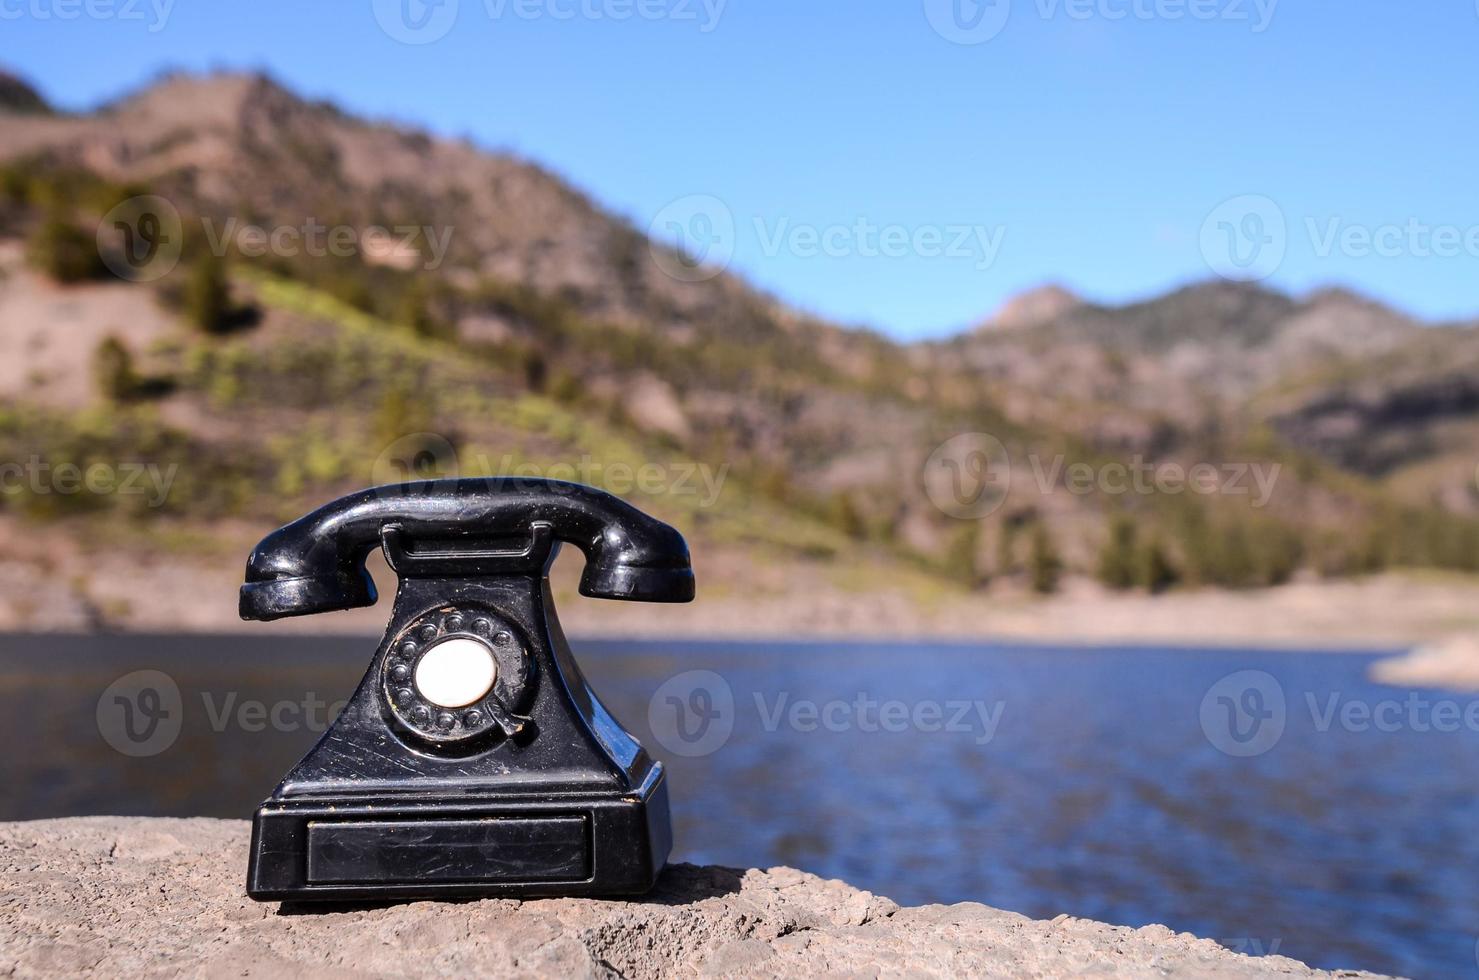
x=473, y=758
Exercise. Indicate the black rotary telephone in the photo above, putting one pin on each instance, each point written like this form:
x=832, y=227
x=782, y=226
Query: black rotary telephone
x=473, y=759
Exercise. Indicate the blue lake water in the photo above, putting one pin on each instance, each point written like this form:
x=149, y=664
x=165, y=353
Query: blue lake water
x=1278, y=802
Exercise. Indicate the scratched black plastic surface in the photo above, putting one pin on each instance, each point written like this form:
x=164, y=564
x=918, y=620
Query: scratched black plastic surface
x=471, y=555
x=553, y=848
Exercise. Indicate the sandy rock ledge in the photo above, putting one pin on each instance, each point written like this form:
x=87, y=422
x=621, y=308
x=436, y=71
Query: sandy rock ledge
x=126, y=896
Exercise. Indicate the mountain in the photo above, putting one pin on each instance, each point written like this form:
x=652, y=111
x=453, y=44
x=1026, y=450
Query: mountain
x=485, y=315
x=17, y=96
x=1199, y=354
x=1032, y=307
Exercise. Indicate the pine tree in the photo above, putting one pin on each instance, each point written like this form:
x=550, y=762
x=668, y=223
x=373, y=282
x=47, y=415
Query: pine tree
x=1117, y=561
x=1236, y=566
x=960, y=556
x=1006, y=548
x=1043, y=563
x=1157, y=574
x=1198, y=551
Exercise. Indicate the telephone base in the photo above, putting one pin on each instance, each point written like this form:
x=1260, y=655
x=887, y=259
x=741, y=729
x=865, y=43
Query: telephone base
x=371, y=848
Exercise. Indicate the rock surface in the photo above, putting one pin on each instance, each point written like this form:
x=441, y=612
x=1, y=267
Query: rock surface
x=125, y=896
x=1451, y=663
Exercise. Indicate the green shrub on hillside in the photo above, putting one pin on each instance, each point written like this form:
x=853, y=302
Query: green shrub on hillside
x=1156, y=572
x=113, y=370
x=207, y=296
x=401, y=412
x=15, y=185
x=536, y=369
x=48, y=183
x=414, y=310
x=125, y=460
x=64, y=251
x=843, y=514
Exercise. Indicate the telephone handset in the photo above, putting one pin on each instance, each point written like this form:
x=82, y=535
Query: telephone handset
x=473, y=758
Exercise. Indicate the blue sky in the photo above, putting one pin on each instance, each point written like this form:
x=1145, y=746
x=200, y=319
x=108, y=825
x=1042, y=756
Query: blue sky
x=879, y=172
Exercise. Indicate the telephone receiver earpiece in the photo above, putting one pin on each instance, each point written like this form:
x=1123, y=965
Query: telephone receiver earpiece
x=473, y=758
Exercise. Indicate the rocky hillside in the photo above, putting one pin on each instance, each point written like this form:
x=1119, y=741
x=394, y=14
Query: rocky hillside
x=1336, y=375
x=482, y=314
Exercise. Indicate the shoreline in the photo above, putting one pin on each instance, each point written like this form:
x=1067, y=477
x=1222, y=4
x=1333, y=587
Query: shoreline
x=1426, y=623
x=1381, y=613
x=1046, y=643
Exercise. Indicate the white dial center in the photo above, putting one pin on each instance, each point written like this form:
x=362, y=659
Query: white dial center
x=456, y=672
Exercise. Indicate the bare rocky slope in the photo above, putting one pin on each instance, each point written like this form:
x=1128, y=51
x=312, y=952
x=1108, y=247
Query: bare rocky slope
x=115, y=896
